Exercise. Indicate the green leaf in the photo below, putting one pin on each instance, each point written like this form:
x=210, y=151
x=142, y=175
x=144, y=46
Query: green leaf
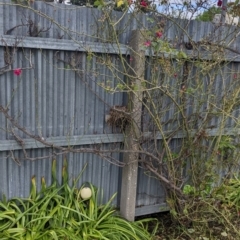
x=33, y=192
x=58, y=213
x=151, y=20
x=224, y=234
x=191, y=230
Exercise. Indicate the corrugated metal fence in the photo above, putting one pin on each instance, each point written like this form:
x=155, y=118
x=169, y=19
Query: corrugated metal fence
x=65, y=107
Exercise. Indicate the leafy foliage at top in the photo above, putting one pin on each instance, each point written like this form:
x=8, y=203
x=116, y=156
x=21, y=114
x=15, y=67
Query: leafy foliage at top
x=208, y=15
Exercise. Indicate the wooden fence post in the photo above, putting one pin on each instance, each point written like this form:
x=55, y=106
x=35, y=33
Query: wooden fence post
x=224, y=9
x=133, y=129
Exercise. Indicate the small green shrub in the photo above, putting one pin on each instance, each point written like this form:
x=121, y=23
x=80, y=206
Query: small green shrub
x=212, y=214
x=58, y=212
x=229, y=193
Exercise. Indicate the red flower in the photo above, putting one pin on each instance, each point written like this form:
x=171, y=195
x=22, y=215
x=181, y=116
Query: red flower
x=159, y=34
x=143, y=3
x=147, y=43
x=175, y=75
x=17, y=71
x=219, y=3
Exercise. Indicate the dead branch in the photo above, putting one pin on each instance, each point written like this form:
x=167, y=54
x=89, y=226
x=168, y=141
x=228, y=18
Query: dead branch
x=167, y=183
x=34, y=30
x=9, y=57
x=104, y=154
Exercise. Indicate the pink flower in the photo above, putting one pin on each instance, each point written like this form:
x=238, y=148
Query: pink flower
x=17, y=71
x=159, y=34
x=175, y=75
x=235, y=76
x=224, y=8
x=219, y=3
x=143, y=3
x=147, y=43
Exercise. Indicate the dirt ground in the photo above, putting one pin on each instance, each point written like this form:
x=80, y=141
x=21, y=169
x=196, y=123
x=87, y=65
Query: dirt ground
x=170, y=230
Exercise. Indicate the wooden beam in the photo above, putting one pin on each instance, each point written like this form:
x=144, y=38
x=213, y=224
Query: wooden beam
x=132, y=132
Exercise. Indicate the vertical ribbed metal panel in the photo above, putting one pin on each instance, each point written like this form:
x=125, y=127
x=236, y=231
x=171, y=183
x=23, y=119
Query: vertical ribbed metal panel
x=16, y=179
x=2, y=97
x=52, y=100
x=149, y=190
